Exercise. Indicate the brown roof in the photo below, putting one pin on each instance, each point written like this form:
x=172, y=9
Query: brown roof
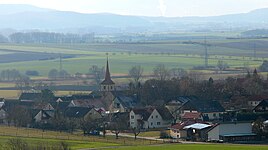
x=81, y=103
x=144, y=112
x=181, y=125
x=43, y=106
x=165, y=113
x=191, y=115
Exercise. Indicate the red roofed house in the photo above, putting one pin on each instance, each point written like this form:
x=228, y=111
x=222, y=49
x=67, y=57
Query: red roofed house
x=191, y=116
x=177, y=131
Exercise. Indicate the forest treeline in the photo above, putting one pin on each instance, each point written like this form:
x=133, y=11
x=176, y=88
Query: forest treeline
x=47, y=37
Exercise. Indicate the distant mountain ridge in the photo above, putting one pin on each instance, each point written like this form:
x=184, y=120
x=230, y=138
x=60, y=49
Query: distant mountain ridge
x=18, y=8
x=27, y=17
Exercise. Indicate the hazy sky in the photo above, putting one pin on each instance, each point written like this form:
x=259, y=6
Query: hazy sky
x=150, y=7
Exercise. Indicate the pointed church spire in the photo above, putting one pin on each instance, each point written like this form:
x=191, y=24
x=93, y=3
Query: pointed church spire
x=107, y=79
x=107, y=75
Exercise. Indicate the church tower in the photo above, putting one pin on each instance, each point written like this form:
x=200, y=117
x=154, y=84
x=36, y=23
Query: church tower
x=107, y=84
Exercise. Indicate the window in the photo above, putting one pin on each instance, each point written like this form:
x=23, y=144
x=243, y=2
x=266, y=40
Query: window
x=151, y=123
x=214, y=115
x=152, y=117
x=132, y=117
x=156, y=116
x=158, y=123
x=132, y=122
x=111, y=87
x=104, y=87
x=117, y=105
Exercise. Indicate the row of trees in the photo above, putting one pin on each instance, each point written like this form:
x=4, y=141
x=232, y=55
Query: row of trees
x=50, y=37
x=168, y=84
x=11, y=75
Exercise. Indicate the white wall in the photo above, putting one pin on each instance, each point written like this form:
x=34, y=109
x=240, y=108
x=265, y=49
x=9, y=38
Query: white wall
x=214, y=134
x=133, y=121
x=230, y=128
x=155, y=118
x=235, y=128
x=174, y=133
x=154, y=121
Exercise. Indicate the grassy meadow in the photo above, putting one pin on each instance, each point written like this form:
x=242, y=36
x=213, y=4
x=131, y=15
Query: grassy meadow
x=195, y=147
x=173, y=54
x=77, y=141
x=74, y=144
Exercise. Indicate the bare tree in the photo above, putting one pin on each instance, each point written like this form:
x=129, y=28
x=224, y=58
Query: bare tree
x=20, y=116
x=222, y=65
x=161, y=72
x=98, y=73
x=117, y=125
x=136, y=73
x=136, y=131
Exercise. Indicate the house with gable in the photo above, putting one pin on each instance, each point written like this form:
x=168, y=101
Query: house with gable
x=191, y=116
x=177, y=131
x=255, y=100
x=122, y=103
x=148, y=118
x=262, y=106
x=210, y=110
x=42, y=115
x=82, y=113
x=42, y=112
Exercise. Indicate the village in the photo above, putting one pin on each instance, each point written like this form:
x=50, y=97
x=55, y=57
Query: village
x=113, y=111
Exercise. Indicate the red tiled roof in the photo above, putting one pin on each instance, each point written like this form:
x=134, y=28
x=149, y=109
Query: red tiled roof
x=191, y=115
x=181, y=125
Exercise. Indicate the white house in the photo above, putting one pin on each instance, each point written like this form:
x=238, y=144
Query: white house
x=148, y=118
x=231, y=131
x=3, y=116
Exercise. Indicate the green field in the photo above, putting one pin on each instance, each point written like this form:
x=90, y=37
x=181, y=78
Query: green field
x=196, y=147
x=123, y=56
x=74, y=144
x=76, y=140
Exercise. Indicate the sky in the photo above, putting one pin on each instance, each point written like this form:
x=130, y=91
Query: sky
x=167, y=8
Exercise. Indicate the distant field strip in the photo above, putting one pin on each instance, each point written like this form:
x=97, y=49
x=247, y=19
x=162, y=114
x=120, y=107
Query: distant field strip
x=123, y=56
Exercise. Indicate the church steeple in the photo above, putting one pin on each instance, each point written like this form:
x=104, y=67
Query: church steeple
x=107, y=84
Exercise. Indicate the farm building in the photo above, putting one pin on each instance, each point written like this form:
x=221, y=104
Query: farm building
x=231, y=131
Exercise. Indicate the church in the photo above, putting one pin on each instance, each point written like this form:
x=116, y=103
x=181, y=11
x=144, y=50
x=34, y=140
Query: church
x=107, y=85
